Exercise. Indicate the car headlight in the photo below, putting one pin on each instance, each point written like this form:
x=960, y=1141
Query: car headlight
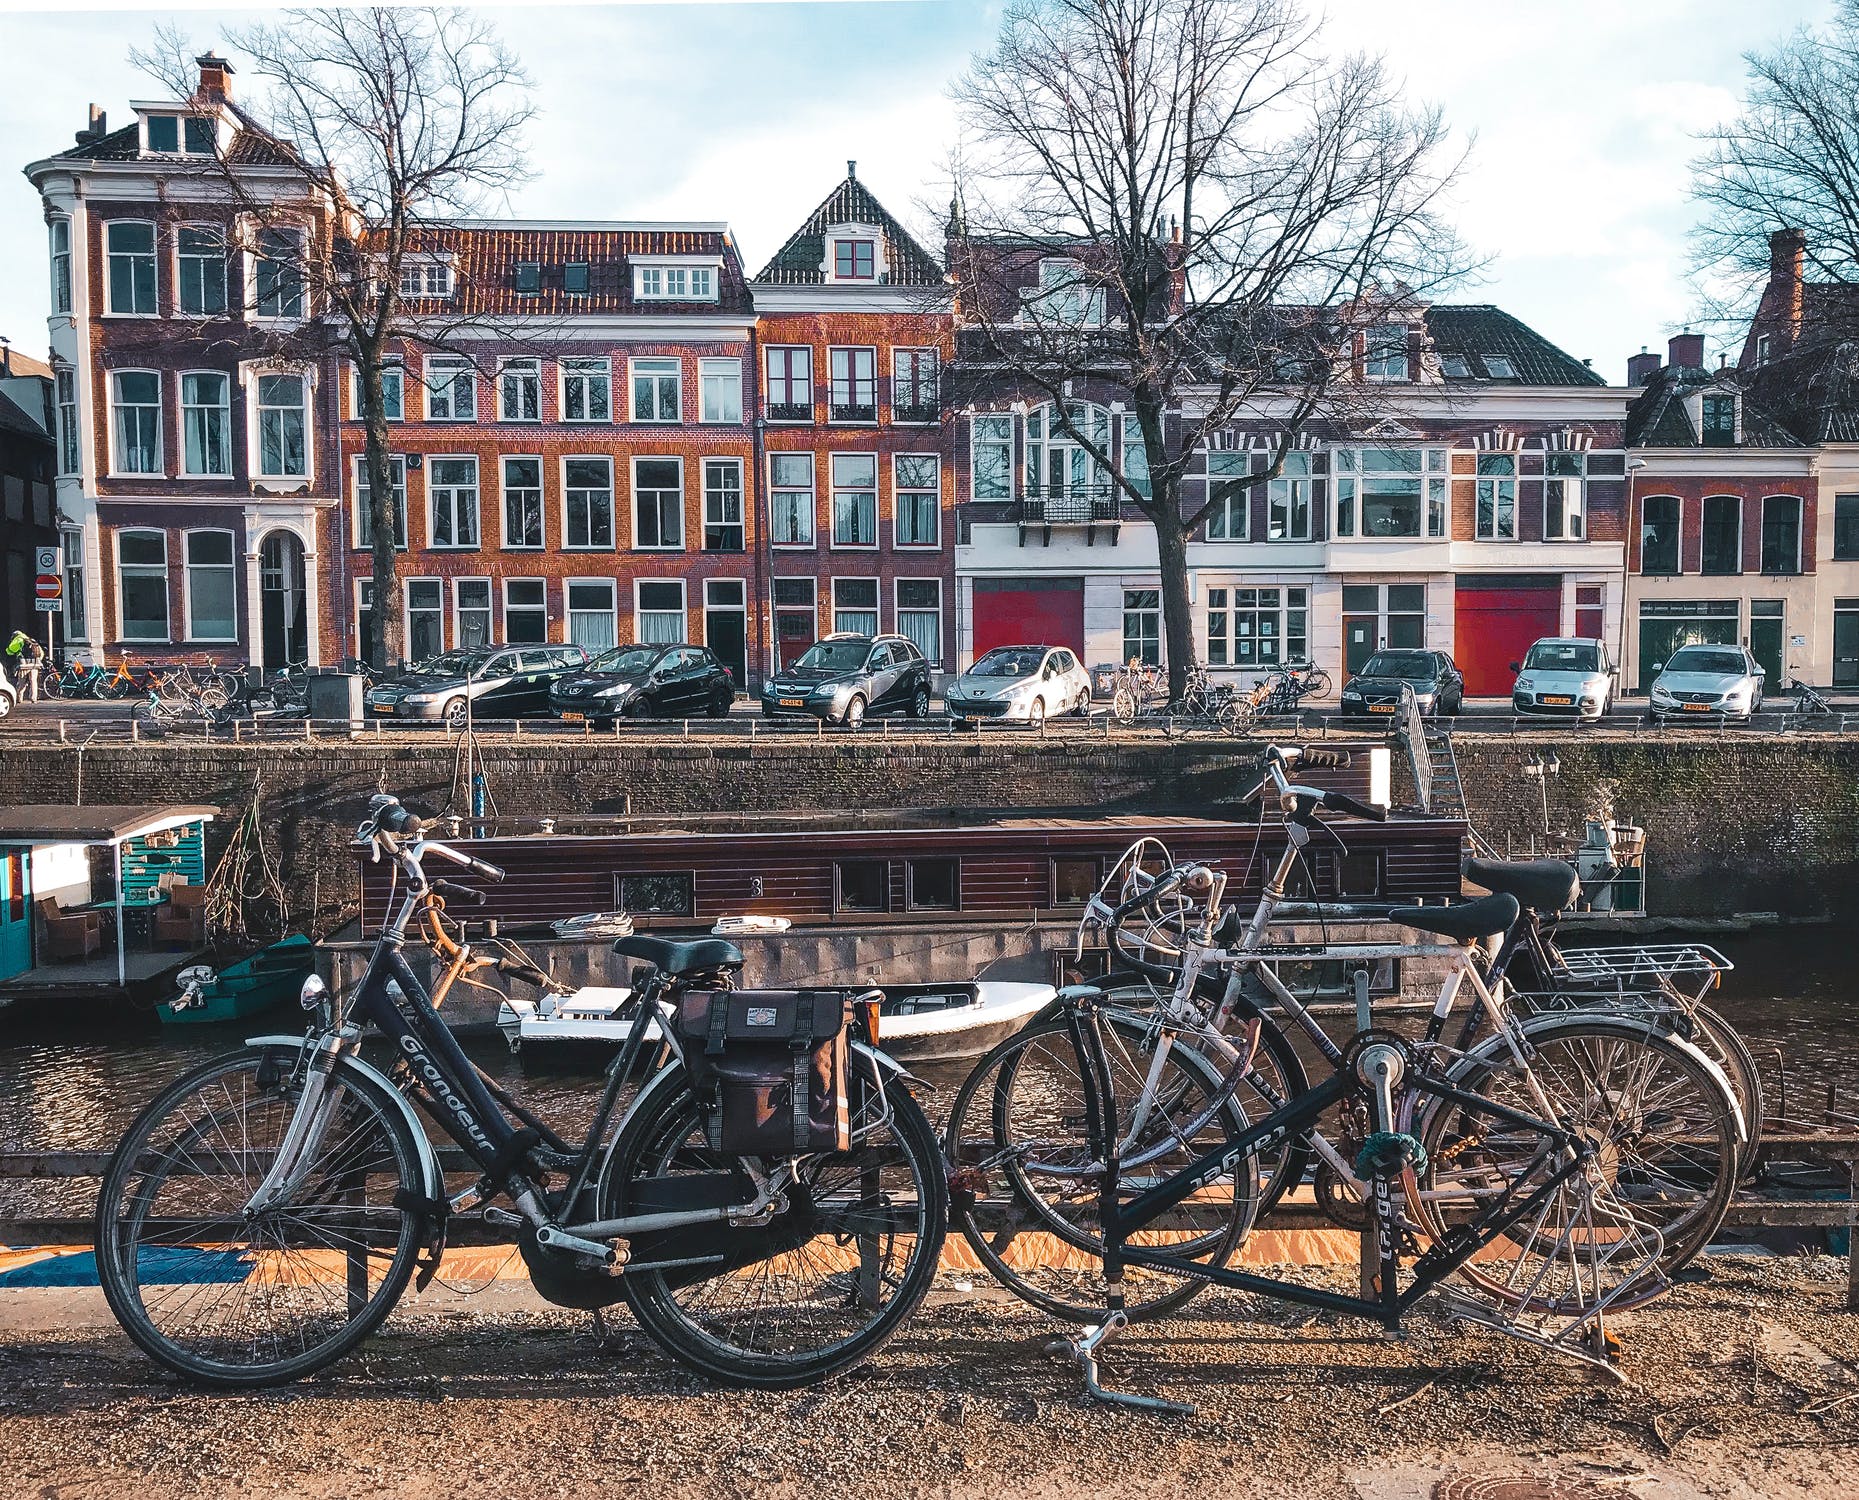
x=614, y=689
x=420, y=698
x=1526, y=685
x=1350, y=695
x=1660, y=694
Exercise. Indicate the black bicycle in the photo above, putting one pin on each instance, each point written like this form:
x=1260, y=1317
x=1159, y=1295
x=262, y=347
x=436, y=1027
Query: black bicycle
x=262, y=1216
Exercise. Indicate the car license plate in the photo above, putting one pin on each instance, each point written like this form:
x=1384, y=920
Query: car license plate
x=1561, y=699
x=1381, y=708
x=571, y=717
x=1696, y=708
x=384, y=708
x=793, y=702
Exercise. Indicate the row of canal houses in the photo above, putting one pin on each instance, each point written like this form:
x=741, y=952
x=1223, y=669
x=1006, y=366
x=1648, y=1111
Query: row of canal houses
x=630, y=436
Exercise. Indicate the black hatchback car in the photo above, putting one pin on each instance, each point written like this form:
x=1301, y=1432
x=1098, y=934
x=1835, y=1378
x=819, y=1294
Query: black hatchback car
x=488, y=682
x=1376, y=689
x=644, y=682
x=843, y=678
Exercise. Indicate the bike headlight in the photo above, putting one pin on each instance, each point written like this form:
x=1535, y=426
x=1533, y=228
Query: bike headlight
x=315, y=997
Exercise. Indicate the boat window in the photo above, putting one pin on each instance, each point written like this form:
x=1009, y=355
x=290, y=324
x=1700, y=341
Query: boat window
x=1358, y=875
x=862, y=885
x=935, y=884
x=661, y=894
x=1074, y=881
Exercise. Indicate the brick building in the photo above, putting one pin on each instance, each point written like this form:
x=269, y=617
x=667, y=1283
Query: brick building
x=26, y=505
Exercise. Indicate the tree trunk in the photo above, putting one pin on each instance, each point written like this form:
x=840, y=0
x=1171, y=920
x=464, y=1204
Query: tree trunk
x=383, y=644
x=1171, y=550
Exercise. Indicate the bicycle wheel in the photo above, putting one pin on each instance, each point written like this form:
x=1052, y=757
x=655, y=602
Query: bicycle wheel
x=1316, y=683
x=233, y=1298
x=1024, y=1188
x=1658, y=1117
x=827, y=1281
x=1123, y=705
x=1718, y=1040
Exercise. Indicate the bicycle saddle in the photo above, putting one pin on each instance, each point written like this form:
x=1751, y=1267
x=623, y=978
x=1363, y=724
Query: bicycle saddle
x=1544, y=885
x=1467, y=919
x=680, y=958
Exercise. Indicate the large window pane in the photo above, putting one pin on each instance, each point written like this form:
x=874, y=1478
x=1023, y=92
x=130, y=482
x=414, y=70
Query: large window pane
x=212, y=609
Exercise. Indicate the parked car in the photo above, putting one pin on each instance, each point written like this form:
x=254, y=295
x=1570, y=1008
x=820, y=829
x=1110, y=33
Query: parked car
x=1708, y=680
x=1564, y=675
x=9, y=696
x=644, y=682
x=1376, y=689
x=843, y=678
x=1029, y=683
x=498, y=682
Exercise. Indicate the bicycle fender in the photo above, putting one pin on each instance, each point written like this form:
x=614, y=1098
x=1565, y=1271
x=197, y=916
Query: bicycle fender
x=434, y=1179
x=887, y=1064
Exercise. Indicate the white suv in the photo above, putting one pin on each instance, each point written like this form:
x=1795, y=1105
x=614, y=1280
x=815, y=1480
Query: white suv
x=1569, y=675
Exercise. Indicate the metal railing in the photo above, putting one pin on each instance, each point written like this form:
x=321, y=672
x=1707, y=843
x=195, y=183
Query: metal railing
x=1080, y=505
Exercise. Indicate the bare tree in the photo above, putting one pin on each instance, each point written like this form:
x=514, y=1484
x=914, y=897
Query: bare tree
x=387, y=125
x=1173, y=198
x=1789, y=160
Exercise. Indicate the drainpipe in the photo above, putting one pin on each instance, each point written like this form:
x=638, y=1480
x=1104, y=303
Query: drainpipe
x=758, y=499
x=1634, y=465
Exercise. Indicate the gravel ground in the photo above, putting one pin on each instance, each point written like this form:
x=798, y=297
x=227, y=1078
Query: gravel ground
x=1746, y=1384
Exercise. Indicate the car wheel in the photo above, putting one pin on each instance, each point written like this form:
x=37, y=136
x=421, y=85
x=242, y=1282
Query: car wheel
x=1083, y=710
x=6, y=704
x=720, y=707
x=1036, y=714
x=455, y=714
x=638, y=709
x=919, y=704
x=854, y=715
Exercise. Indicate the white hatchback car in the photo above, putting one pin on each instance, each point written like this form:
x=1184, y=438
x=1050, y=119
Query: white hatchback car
x=1028, y=684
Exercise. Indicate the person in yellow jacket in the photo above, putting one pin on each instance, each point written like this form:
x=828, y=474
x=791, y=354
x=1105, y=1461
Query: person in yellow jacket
x=27, y=658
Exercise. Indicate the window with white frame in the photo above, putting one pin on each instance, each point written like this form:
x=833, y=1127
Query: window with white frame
x=991, y=457
x=206, y=423
x=1384, y=352
x=855, y=606
x=393, y=393
x=662, y=283
x=790, y=499
x=135, y=413
x=60, y=230
x=364, y=507
x=525, y=610
x=1142, y=626
x=364, y=615
x=855, y=499
x=200, y=257
x=425, y=616
x=1565, y=478
x=916, y=385
x=68, y=454
x=1058, y=465
x=519, y=391
x=587, y=502
x=278, y=274
x=522, y=502
x=658, y=503
x=1287, y=500
x=1257, y=627
x=1229, y=495
x=451, y=389
x=854, y=374
x=591, y=614
x=283, y=422
x=1135, y=455
x=1497, y=497
x=587, y=390
x=919, y=615
x=422, y=280
x=142, y=576
x=452, y=502
x=917, y=491
x=129, y=246
x=212, y=599
x=471, y=612
x=723, y=530
x=722, y=389
x=77, y=602
x=789, y=394
x=1389, y=492
x=658, y=612
x=657, y=390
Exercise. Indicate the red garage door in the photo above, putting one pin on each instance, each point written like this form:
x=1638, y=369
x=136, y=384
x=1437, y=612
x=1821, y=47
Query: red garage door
x=1029, y=612
x=1496, y=620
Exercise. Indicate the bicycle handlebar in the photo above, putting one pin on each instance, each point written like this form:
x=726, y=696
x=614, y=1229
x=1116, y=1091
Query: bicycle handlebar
x=1343, y=802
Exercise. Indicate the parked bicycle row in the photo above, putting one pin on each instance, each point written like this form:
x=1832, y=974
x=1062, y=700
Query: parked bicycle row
x=1557, y=1143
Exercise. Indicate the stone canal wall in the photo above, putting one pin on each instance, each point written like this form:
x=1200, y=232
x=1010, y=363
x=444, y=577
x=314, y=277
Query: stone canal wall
x=1736, y=823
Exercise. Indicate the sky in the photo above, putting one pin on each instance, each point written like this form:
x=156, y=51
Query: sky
x=1580, y=116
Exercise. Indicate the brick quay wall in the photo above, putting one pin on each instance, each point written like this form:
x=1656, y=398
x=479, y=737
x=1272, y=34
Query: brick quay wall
x=1735, y=823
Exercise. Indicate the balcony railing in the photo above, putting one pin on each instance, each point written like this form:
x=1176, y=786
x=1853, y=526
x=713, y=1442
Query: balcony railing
x=1081, y=505
x=854, y=411
x=790, y=411
x=912, y=410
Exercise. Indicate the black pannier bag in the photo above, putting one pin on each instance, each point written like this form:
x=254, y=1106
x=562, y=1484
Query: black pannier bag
x=769, y=1068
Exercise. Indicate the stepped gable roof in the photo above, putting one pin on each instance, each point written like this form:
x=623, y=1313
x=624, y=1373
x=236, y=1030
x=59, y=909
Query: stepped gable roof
x=1474, y=330
x=799, y=262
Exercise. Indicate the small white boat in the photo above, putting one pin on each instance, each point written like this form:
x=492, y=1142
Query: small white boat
x=919, y=1023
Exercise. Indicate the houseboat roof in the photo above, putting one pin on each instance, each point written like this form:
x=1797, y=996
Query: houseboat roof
x=99, y=823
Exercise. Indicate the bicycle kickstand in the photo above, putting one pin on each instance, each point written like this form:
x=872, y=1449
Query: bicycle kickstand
x=1083, y=1351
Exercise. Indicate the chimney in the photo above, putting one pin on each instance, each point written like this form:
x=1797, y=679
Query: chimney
x=98, y=128
x=215, y=76
x=1642, y=367
x=1685, y=349
x=852, y=170
x=1787, y=295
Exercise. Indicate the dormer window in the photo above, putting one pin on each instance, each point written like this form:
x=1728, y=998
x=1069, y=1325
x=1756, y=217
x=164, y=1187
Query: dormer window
x=174, y=135
x=574, y=276
x=425, y=278
x=855, y=260
x=674, y=283
x=1499, y=366
x=1454, y=367
x=1719, y=421
x=1384, y=352
x=528, y=277
x=1065, y=297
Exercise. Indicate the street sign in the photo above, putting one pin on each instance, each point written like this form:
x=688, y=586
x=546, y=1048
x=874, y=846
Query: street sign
x=49, y=586
x=48, y=559
x=50, y=606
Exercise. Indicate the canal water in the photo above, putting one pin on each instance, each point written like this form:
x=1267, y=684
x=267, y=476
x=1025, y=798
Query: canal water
x=74, y=1086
